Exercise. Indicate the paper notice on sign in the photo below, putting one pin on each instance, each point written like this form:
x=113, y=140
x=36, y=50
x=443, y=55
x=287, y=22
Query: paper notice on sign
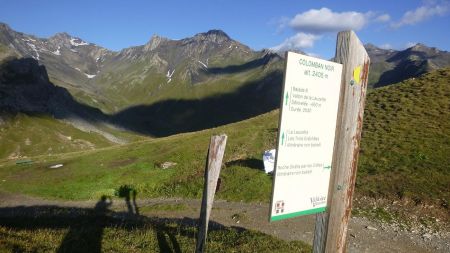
x=306, y=136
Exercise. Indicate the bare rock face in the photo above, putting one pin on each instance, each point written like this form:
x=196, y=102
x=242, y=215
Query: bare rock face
x=154, y=42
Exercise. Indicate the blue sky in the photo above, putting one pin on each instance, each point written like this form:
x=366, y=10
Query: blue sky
x=307, y=25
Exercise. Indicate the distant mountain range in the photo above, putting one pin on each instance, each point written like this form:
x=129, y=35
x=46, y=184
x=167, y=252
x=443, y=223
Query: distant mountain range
x=142, y=74
x=390, y=66
x=165, y=86
x=160, y=88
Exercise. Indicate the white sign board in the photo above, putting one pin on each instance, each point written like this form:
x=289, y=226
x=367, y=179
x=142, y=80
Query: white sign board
x=306, y=136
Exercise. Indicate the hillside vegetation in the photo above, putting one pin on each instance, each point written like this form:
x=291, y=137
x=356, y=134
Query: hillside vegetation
x=405, y=150
x=405, y=147
x=90, y=174
x=25, y=135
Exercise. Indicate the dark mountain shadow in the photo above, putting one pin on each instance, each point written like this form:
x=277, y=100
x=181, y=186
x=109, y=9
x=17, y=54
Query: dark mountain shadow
x=413, y=62
x=232, y=69
x=169, y=117
x=25, y=88
x=404, y=70
x=86, y=225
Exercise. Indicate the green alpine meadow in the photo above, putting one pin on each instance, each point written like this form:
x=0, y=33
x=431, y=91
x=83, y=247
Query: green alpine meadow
x=109, y=114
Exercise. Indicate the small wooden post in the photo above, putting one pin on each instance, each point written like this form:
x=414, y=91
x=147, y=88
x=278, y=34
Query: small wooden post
x=331, y=226
x=212, y=171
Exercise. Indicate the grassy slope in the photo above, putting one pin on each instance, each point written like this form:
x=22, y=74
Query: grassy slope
x=5, y=52
x=376, y=70
x=405, y=147
x=24, y=135
x=91, y=174
x=406, y=140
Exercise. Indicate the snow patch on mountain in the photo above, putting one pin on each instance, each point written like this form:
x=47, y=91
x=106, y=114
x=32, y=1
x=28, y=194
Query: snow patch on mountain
x=35, y=50
x=77, y=42
x=90, y=76
x=169, y=75
x=204, y=65
x=57, y=52
x=28, y=39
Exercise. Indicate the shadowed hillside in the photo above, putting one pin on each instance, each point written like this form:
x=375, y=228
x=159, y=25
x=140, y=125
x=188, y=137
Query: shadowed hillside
x=25, y=88
x=177, y=116
x=389, y=66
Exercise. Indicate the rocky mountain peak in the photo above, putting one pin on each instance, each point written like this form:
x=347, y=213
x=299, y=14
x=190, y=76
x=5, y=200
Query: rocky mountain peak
x=375, y=49
x=67, y=40
x=62, y=35
x=216, y=36
x=420, y=48
x=370, y=46
x=4, y=26
x=154, y=42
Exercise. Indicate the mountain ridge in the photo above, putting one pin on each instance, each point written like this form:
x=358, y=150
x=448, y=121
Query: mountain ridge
x=390, y=66
x=179, y=77
x=150, y=89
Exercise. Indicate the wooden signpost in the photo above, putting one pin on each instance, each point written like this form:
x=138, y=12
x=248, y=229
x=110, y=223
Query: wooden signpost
x=212, y=171
x=331, y=226
x=318, y=140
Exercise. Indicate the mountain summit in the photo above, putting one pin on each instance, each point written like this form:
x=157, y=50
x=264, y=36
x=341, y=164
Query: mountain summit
x=216, y=36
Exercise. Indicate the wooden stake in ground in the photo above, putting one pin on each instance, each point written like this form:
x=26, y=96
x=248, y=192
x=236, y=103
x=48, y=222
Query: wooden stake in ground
x=331, y=226
x=212, y=171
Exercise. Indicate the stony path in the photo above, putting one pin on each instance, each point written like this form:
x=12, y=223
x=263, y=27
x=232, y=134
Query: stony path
x=364, y=235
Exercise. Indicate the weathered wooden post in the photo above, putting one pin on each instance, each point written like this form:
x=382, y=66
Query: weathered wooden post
x=331, y=226
x=212, y=171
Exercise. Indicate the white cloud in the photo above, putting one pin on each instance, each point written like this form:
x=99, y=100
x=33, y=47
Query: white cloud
x=313, y=23
x=325, y=20
x=386, y=46
x=421, y=13
x=383, y=18
x=410, y=44
x=314, y=55
x=298, y=41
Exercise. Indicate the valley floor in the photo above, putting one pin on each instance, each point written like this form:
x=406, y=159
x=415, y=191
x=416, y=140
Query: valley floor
x=364, y=235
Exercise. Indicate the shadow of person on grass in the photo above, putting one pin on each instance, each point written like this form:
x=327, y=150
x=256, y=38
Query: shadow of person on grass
x=129, y=194
x=163, y=243
x=86, y=235
x=86, y=228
